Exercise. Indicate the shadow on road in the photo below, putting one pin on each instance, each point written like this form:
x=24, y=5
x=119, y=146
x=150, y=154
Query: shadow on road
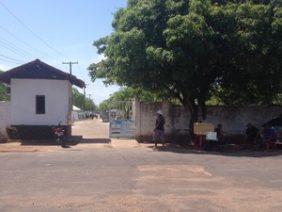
x=49, y=142
x=239, y=153
x=93, y=141
x=72, y=141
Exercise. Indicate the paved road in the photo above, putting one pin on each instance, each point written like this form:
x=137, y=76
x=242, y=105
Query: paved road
x=91, y=177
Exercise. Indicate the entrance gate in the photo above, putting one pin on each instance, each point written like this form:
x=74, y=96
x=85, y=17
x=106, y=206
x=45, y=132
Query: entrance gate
x=121, y=119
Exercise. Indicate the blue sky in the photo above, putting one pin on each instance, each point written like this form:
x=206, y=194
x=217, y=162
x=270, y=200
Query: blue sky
x=68, y=26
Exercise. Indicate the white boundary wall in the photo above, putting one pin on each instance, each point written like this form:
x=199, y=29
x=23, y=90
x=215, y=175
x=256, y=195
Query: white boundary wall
x=233, y=119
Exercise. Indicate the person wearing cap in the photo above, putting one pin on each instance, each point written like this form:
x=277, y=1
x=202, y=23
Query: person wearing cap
x=159, y=128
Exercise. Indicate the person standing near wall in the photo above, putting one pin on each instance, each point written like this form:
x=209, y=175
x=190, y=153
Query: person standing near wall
x=219, y=134
x=159, y=128
x=252, y=135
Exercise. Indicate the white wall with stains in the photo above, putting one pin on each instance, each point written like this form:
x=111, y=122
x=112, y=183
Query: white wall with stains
x=57, y=101
x=233, y=119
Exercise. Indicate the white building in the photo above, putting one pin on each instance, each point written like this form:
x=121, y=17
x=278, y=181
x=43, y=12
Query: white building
x=41, y=97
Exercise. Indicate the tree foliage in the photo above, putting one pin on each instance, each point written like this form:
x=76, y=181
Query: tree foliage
x=80, y=101
x=195, y=49
x=128, y=94
x=3, y=92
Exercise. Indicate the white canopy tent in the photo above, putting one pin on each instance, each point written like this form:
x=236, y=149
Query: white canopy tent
x=74, y=108
x=75, y=113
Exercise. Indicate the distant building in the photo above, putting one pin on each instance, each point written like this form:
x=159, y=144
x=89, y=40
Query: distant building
x=41, y=97
x=75, y=113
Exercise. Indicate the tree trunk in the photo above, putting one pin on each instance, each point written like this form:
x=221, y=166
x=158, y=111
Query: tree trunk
x=193, y=110
x=203, y=108
x=194, y=118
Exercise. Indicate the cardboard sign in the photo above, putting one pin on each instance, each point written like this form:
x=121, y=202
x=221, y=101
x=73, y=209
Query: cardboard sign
x=211, y=136
x=203, y=128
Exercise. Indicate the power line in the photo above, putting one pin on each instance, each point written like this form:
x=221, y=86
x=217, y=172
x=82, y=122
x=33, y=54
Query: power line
x=16, y=48
x=8, y=61
x=11, y=49
x=21, y=41
x=10, y=58
x=29, y=29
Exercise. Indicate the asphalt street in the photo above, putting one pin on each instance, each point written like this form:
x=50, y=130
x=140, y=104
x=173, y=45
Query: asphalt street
x=133, y=177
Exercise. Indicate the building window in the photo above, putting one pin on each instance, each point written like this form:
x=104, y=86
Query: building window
x=40, y=104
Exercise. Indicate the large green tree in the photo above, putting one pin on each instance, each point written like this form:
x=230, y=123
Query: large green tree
x=195, y=49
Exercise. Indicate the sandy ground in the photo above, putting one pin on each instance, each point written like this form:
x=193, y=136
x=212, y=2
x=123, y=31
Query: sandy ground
x=121, y=175
x=95, y=134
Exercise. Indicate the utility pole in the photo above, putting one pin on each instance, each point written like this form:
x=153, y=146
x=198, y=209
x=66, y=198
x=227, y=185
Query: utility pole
x=70, y=63
x=71, y=97
x=90, y=99
x=84, y=94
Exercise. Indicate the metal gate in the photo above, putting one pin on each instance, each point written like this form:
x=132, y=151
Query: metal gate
x=121, y=119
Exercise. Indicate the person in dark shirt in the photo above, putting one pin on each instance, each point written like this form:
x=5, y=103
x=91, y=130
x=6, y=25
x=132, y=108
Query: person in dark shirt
x=252, y=134
x=159, y=129
x=219, y=134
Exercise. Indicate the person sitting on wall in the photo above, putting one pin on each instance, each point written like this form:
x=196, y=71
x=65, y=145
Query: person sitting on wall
x=219, y=134
x=159, y=128
x=252, y=134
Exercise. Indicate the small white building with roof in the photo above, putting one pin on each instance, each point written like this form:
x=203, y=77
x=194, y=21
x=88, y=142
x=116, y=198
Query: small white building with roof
x=41, y=98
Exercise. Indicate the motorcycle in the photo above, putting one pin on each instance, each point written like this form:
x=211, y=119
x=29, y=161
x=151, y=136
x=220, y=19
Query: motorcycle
x=59, y=134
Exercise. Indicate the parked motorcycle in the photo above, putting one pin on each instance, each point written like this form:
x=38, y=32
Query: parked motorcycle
x=59, y=134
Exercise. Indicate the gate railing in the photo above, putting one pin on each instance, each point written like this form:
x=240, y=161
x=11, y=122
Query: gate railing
x=121, y=119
